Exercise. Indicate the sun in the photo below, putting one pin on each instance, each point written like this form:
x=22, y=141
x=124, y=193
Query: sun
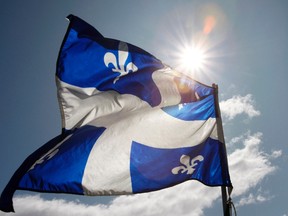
x=192, y=58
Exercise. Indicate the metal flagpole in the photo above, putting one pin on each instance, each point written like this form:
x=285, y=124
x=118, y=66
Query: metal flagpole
x=226, y=209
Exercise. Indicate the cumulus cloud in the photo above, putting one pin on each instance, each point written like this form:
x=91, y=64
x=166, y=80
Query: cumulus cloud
x=35, y=205
x=252, y=199
x=249, y=165
x=276, y=154
x=238, y=105
x=189, y=198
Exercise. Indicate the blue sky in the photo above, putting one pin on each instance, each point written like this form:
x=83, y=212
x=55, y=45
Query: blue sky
x=247, y=59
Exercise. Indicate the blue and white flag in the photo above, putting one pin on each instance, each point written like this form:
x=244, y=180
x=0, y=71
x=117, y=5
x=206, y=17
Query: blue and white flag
x=130, y=124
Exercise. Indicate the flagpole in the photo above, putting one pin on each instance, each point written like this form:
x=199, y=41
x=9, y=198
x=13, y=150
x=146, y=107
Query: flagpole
x=226, y=209
x=220, y=131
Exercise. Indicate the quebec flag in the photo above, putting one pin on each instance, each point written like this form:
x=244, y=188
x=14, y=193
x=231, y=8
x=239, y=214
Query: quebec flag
x=130, y=124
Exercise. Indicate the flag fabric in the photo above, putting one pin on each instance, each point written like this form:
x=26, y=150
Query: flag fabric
x=131, y=124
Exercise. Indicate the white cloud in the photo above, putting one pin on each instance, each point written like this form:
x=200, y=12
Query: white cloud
x=253, y=199
x=249, y=165
x=189, y=198
x=35, y=205
x=238, y=105
x=276, y=153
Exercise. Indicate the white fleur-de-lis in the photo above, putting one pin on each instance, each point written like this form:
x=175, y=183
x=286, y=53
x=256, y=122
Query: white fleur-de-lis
x=188, y=164
x=120, y=66
x=45, y=158
x=50, y=154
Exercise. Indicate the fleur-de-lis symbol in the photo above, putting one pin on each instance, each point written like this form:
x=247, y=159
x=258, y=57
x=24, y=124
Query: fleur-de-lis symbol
x=50, y=154
x=45, y=158
x=188, y=165
x=121, y=66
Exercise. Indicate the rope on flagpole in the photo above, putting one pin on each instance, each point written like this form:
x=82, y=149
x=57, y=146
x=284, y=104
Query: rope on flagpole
x=231, y=205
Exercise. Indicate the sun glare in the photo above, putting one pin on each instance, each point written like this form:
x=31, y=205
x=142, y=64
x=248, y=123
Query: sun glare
x=195, y=58
x=196, y=41
x=192, y=58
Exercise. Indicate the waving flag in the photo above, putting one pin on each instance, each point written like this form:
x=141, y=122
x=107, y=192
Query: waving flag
x=130, y=124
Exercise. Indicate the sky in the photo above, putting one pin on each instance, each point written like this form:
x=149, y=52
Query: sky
x=246, y=47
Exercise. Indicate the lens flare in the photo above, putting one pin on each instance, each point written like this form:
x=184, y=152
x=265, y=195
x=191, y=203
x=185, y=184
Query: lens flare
x=209, y=24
